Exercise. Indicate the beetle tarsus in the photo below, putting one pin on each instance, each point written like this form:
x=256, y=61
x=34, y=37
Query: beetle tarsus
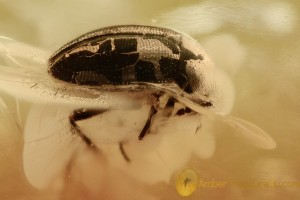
x=123, y=152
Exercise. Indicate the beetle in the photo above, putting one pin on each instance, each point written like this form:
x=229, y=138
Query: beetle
x=156, y=65
x=126, y=56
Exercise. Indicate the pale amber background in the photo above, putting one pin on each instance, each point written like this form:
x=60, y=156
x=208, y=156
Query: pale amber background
x=267, y=92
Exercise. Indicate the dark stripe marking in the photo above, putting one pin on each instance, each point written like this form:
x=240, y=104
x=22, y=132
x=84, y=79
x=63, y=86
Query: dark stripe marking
x=125, y=45
x=105, y=47
x=145, y=71
x=168, y=67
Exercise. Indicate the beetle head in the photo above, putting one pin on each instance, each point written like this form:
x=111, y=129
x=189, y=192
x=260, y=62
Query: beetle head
x=211, y=88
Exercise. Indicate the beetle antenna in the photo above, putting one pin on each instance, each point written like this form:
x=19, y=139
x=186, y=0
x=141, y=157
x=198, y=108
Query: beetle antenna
x=252, y=132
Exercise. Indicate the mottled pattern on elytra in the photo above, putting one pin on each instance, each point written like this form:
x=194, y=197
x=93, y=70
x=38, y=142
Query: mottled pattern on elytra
x=123, y=57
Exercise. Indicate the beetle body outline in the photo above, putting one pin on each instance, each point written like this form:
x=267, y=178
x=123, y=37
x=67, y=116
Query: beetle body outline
x=123, y=55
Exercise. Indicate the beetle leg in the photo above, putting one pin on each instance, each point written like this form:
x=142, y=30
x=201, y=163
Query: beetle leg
x=82, y=114
x=167, y=102
x=153, y=110
x=146, y=127
x=183, y=111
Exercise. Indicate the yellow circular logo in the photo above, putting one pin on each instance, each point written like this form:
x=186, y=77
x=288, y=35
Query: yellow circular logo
x=186, y=182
